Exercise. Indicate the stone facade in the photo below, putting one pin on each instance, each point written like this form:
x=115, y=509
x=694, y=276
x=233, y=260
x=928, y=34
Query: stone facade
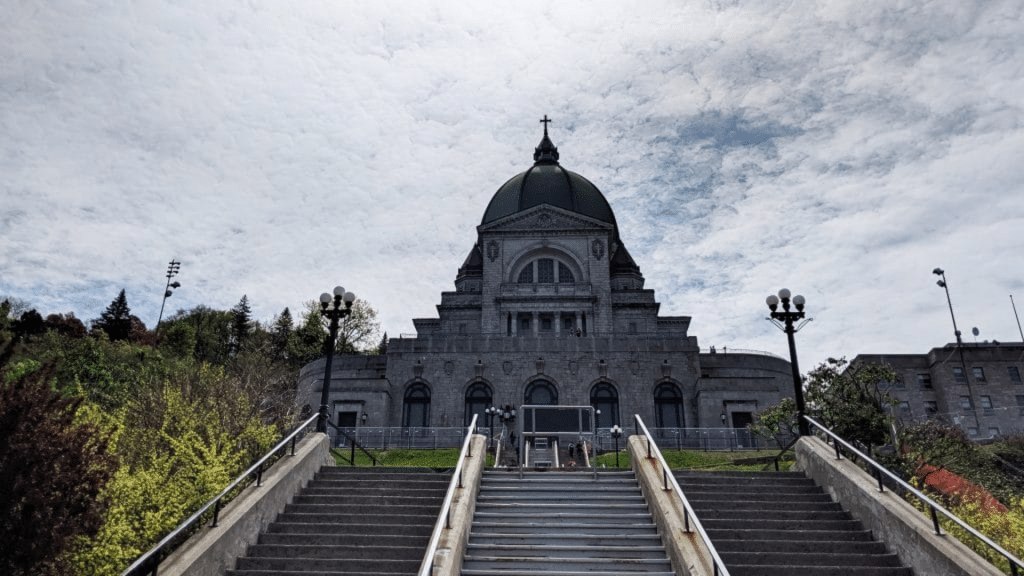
x=981, y=392
x=549, y=307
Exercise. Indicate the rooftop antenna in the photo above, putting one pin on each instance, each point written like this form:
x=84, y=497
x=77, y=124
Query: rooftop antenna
x=1017, y=317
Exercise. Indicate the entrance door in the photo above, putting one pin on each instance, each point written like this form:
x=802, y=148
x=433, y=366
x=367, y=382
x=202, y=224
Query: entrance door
x=347, y=419
x=741, y=421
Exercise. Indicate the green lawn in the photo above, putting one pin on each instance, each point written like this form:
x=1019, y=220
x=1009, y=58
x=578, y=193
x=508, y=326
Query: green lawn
x=446, y=458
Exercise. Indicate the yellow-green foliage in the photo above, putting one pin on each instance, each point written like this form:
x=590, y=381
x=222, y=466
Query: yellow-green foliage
x=1004, y=528
x=198, y=435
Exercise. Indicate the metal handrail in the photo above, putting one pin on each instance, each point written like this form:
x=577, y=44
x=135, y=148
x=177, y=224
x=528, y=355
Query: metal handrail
x=150, y=561
x=427, y=565
x=355, y=443
x=933, y=506
x=653, y=452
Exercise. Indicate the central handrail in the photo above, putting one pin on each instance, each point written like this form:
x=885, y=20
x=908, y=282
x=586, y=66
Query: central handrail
x=654, y=452
x=933, y=506
x=150, y=561
x=427, y=565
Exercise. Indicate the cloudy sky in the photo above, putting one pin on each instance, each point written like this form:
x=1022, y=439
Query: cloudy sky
x=842, y=149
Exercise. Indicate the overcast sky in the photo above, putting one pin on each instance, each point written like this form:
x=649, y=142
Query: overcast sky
x=842, y=149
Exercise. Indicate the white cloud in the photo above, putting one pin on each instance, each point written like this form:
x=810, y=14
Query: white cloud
x=837, y=148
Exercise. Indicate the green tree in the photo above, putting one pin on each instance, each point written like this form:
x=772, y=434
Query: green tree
x=53, y=471
x=116, y=320
x=66, y=325
x=777, y=422
x=281, y=334
x=241, y=323
x=29, y=324
x=850, y=400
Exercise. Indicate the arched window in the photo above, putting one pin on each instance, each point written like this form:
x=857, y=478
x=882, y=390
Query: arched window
x=478, y=399
x=541, y=392
x=546, y=271
x=416, y=407
x=668, y=406
x=604, y=397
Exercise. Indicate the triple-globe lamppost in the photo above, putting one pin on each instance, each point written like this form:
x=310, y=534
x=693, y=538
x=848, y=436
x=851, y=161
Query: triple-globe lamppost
x=333, y=308
x=792, y=311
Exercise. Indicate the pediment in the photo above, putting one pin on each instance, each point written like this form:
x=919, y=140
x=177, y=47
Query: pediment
x=544, y=218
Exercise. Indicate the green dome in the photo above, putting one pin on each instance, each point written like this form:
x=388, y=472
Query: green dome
x=546, y=182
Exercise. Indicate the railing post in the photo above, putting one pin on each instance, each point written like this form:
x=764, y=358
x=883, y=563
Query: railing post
x=216, y=513
x=293, y=446
x=935, y=521
x=878, y=474
x=259, y=476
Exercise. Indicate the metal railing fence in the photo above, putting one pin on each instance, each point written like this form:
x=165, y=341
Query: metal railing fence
x=150, y=561
x=444, y=520
x=701, y=439
x=934, y=508
x=386, y=438
x=690, y=521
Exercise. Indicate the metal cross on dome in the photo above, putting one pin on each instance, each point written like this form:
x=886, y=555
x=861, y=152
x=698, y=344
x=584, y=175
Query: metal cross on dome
x=545, y=121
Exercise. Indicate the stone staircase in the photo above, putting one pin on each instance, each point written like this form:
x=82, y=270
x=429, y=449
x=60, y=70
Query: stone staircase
x=559, y=522
x=781, y=523
x=367, y=521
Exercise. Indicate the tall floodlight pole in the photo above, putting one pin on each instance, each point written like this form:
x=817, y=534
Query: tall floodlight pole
x=784, y=321
x=172, y=271
x=959, y=341
x=334, y=309
x=1017, y=317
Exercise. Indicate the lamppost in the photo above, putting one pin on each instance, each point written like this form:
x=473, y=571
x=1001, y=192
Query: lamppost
x=491, y=413
x=959, y=342
x=335, y=313
x=616, y=433
x=172, y=271
x=784, y=321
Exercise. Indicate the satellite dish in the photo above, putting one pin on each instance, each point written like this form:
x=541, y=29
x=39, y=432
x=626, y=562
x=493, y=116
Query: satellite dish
x=975, y=331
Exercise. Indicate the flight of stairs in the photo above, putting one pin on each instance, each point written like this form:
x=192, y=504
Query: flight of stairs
x=781, y=523
x=351, y=521
x=558, y=522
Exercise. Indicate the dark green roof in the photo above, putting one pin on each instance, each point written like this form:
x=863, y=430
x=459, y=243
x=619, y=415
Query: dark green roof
x=546, y=182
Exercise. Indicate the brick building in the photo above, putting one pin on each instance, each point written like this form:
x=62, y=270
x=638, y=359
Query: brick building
x=977, y=387
x=549, y=308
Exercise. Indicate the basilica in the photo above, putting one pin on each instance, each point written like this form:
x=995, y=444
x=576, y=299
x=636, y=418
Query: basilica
x=549, y=308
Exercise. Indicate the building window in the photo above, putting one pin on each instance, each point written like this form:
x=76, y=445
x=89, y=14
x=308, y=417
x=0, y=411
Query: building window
x=542, y=271
x=1020, y=404
x=931, y=408
x=524, y=324
x=924, y=380
x=416, y=407
x=568, y=323
x=978, y=373
x=632, y=328
x=604, y=397
x=965, y=403
x=972, y=431
x=993, y=432
x=545, y=323
x=958, y=375
x=668, y=406
x=478, y=400
x=904, y=409
x=541, y=393
x=986, y=404
x=1014, y=373
x=545, y=271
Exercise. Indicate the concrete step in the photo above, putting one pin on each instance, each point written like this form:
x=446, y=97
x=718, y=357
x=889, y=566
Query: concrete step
x=796, y=546
x=575, y=539
x=556, y=549
x=320, y=518
x=745, y=535
x=758, y=514
x=809, y=559
x=549, y=564
x=372, y=508
x=567, y=518
x=337, y=528
x=340, y=565
x=375, y=499
x=561, y=508
x=792, y=570
x=383, y=550
x=701, y=506
x=349, y=539
x=541, y=527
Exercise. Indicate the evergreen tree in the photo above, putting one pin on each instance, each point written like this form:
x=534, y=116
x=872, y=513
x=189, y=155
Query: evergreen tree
x=240, y=323
x=382, y=348
x=281, y=334
x=116, y=320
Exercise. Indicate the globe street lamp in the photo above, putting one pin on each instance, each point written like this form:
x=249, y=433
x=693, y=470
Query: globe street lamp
x=784, y=321
x=332, y=309
x=616, y=433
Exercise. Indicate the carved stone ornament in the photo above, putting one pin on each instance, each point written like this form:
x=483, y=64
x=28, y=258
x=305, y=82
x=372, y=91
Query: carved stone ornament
x=597, y=248
x=574, y=367
x=540, y=365
x=417, y=369
x=666, y=370
x=602, y=369
x=506, y=367
x=492, y=250
x=479, y=368
x=449, y=367
x=634, y=367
